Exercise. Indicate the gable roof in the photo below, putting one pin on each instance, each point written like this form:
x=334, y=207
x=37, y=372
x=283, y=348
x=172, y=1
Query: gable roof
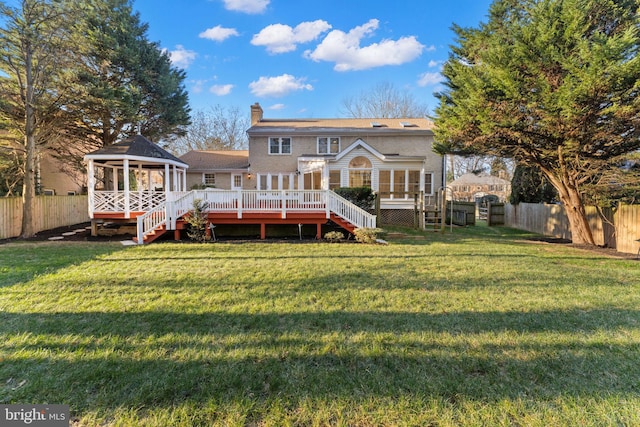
x=384, y=157
x=138, y=148
x=205, y=160
x=418, y=126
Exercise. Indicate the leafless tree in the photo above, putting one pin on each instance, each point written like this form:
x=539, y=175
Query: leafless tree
x=384, y=101
x=217, y=128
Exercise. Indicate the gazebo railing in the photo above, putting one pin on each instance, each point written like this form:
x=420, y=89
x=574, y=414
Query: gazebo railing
x=139, y=201
x=108, y=201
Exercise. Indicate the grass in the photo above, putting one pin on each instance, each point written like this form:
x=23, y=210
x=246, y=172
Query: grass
x=478, y=327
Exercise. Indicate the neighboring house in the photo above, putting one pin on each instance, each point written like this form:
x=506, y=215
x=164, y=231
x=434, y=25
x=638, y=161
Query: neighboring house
x=470, y=187
x=58, y=178
x=228, y=169
x=392, y=156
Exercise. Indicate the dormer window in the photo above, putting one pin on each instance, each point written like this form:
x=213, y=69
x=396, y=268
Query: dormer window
x=328, y=145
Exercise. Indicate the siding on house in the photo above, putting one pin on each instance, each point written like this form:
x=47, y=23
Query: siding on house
x=389, y=144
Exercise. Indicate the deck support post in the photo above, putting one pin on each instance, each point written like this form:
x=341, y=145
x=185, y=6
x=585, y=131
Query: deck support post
x=263, y=231
x=318, y=231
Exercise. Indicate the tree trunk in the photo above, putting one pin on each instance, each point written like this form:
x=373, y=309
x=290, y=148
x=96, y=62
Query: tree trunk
x=29, y=185
x=29, y=190
x=574, y=208
x=577, y=216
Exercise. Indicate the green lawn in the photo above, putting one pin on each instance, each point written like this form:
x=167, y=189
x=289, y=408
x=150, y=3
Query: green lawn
x=478, y=328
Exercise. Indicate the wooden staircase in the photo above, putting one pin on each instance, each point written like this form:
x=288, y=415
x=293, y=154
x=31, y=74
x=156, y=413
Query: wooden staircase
x=433, y=219
x=343, y=223
x=153, y=235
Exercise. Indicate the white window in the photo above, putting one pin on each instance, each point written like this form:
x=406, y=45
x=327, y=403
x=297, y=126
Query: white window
x=236, y=182
x=279, y=145
x=329, y=145
x=428, y=183
x=209, y=179
x=360, y=172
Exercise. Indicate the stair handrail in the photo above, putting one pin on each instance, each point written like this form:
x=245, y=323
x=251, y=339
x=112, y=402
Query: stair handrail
x=150, y=221
x=342, y=207
x=182, y=204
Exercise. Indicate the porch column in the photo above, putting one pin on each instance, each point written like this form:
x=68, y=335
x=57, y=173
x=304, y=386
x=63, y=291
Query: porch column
x=167, y=187
x=114, y=171
x=91, y=184
x=127, y=195
x=175, y=178
x=406, y=183
x=140, y=190
x=184, y=179
x=325, y=177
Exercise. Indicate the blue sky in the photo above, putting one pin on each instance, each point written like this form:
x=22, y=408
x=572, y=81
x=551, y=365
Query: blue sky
x=302, y=58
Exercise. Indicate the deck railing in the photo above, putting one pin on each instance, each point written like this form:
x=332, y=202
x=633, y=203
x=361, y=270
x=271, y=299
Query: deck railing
x=347, y=210
x=151, y=221
x=159, y=211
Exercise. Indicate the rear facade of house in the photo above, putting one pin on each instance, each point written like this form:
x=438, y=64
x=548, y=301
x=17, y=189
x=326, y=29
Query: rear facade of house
x=394, y=157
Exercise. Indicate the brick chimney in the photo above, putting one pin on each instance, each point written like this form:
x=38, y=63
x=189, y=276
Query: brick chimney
x=256, y=113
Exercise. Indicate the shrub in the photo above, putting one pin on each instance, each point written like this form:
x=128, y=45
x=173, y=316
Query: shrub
x=367, y=235
x=334, y=237
x=197, y=220
x=362, y=197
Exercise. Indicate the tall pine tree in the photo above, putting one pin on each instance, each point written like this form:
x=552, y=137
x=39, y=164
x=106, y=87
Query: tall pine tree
x=549, y=83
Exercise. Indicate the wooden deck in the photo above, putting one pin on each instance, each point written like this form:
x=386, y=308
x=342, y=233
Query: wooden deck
x=306, y=207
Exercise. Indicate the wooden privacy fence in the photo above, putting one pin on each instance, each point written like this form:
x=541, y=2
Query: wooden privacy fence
x=50, y=212
x=464, y=213
x=617, y=228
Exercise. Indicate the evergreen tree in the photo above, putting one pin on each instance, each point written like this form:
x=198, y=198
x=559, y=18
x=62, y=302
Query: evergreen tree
x=529, y=185
x=549, y=83
x=34, y=87
x=126, y=84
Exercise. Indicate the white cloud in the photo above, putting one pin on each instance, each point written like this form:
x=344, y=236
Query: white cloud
x=344, y=49
x=181, y=57
x=218, y=33
x=221, y=90
x=278, y=86
x=280, y=38
x=277, y=107
x=433, y=64
x=430, y=79
x=247, y=6
x=197, y=86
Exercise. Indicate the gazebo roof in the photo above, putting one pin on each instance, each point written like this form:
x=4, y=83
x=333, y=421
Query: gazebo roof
x=137, y=148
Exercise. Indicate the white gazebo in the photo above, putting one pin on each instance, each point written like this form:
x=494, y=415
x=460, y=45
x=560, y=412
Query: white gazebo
x=131, y=177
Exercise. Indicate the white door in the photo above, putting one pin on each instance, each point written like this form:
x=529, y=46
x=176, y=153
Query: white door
x=236, y=181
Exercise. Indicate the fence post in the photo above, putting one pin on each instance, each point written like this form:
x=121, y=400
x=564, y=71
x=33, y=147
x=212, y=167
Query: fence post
x=489, y=214
x=415, y=211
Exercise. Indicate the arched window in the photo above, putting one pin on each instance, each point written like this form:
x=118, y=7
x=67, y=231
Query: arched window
x=360, y=172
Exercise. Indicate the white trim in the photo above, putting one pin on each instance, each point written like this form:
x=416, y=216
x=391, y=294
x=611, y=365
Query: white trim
x=328, y=138
x=280, y=138
x=127, y=193
x=359, y=143
x=146, y=160
x=233, y=177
